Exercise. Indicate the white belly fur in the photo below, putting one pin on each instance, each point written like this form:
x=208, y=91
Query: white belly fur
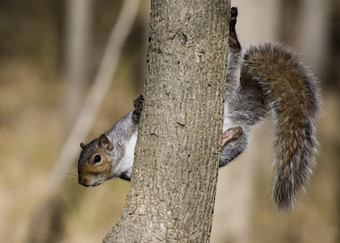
x=125, y=164
x=227, y=123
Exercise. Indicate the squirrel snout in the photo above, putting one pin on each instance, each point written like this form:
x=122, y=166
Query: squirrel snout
x=90, y=181
x=83, y=181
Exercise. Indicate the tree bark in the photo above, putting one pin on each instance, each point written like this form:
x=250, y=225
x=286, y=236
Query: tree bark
x=174, y=178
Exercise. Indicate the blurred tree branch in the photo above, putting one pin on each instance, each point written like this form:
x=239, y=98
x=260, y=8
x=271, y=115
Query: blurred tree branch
x=79, y=21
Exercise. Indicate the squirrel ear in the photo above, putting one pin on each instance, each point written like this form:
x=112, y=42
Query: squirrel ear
x=105, y=143
x=82, y=145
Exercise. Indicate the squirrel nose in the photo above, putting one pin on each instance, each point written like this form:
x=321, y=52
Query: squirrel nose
x=83, y=181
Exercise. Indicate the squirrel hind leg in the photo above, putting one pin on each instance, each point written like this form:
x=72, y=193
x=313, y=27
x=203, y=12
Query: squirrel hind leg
x=233, y=40
x=234, y=142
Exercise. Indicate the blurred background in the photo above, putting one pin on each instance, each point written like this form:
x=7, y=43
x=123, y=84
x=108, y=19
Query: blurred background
x=51, y=55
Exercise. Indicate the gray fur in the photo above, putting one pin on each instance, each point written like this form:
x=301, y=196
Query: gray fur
x=273, y=79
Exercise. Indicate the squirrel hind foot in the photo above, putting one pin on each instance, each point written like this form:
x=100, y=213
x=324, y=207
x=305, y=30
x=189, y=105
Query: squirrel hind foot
x=233, y=16
x=233, y=19
x=233, y=40
x=230, y=135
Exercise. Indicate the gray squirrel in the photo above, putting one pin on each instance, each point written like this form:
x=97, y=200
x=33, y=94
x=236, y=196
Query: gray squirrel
x=111, y=155
x=264, y=78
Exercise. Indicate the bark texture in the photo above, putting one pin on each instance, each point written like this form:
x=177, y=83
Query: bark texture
x=173, y=187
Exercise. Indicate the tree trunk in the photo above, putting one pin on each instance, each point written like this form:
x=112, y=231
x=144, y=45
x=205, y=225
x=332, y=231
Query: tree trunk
x=175, y=170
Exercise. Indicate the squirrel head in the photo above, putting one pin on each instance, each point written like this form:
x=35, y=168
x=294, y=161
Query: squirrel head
x=95, y=162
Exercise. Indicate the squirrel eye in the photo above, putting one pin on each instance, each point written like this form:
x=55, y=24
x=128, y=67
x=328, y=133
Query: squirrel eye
x=97, y=158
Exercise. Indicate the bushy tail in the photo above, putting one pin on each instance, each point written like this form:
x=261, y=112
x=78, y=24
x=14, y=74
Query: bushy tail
x=293, y=96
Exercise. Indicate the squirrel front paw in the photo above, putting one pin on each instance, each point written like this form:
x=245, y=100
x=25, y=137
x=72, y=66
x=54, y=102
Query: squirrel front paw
x=138, y=105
